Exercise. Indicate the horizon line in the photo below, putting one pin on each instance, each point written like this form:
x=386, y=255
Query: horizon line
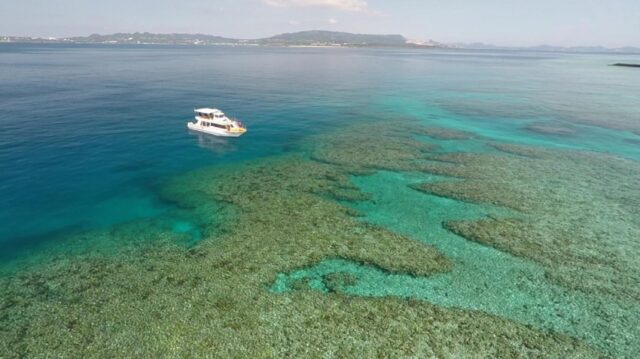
x=480, y=43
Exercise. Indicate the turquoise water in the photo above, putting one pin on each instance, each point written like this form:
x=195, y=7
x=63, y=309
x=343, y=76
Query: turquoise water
x=90, y=134
x=482, y=278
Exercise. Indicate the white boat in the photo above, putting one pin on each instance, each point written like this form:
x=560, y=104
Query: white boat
x=215, y=122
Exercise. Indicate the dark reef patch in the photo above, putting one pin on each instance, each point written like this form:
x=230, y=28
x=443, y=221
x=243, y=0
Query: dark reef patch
x=549, y=128
x=633, y=141
x=442, y=133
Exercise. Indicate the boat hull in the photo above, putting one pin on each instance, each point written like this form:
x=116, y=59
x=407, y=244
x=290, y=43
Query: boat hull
x=213, y=130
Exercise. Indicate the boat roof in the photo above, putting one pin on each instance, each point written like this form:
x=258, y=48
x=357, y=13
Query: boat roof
x=208, y=111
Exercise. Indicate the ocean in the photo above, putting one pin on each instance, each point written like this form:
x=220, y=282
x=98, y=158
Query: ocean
x=427, y=202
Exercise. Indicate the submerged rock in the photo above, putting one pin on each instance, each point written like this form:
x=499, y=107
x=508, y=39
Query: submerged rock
x=336, y=282
x=442, y=133
x=633, y=141
x=551, y=129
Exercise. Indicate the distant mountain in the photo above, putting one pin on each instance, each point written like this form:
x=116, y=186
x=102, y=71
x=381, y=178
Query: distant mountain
x=149, y=38
x=332, y=38
x=302, y=38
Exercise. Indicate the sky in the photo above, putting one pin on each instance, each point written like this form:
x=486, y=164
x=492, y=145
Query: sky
x=611, y=23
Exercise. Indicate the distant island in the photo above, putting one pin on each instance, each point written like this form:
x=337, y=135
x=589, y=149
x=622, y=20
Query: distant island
x=316, y=38
x=311, y=38
x=626, y=65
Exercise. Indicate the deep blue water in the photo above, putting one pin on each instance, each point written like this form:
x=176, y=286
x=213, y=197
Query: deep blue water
x=87, y=132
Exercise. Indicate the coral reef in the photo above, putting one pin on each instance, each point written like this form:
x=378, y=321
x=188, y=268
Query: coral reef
x=579, y=212
x=139, y=289
x=282, y=200
x=377, y=146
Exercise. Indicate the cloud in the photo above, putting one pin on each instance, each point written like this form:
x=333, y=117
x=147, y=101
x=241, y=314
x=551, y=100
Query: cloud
x=345, y=5
x=333, y=21
x=294, y=22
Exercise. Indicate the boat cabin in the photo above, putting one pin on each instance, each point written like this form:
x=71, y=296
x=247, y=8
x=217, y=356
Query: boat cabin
x=210, y=114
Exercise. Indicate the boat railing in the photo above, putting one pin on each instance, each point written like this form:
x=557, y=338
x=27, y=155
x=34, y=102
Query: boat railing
x=238, y=122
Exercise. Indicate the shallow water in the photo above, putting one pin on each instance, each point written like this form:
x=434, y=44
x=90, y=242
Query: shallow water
x=91, y=134
x=482, y=278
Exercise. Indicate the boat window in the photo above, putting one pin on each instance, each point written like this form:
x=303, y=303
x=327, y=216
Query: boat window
x=218, y=126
